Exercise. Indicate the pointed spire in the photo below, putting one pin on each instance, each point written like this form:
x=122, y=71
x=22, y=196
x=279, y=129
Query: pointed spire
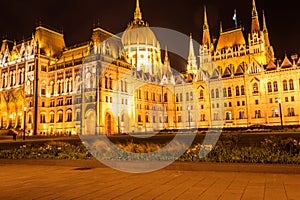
x=221, y=27
x=192, y=61
x=137, y=13
x=255, y=21
x=166, y=61
x=192, y=51
x=265, y=29
x=205, y=25
x=206, y=35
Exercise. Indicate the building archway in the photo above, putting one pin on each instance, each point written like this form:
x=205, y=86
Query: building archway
x=109, y=124
x=90, y=122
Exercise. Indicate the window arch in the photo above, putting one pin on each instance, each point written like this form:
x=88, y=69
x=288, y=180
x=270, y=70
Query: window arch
x=275, y=85
x=69, y=115
x=285, y=86
x=291, y=84
x=237, y=91
x=217, y=93
x=201, y=94
x=229, y=92
x=269, y=87
x=255, y=88
x=242, y=90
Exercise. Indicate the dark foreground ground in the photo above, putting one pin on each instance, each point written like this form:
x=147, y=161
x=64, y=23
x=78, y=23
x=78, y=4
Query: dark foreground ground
x=49, y=179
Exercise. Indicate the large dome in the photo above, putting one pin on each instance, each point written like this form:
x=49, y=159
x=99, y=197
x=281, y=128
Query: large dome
x=138, y=33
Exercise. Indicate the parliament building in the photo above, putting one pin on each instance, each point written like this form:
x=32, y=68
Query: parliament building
x=115, y=85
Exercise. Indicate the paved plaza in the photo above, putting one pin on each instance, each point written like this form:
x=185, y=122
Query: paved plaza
x=25, y=179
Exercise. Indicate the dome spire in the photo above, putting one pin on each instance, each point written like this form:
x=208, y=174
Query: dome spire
x=137, y=13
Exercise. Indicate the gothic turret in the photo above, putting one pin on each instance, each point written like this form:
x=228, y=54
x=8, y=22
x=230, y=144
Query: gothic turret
x=255, y=21
x=192, y=61
x=206, y=40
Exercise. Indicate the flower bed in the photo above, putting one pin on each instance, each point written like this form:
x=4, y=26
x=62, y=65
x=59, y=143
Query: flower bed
x=270, y=150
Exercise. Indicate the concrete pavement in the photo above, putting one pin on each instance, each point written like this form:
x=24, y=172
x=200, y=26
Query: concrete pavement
x=38, y=179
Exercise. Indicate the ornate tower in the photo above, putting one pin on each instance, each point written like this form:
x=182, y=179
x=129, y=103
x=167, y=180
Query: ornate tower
x=206, y=48
x=142, y=49
x=192, y=62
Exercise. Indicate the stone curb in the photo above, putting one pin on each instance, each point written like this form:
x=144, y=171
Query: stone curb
x=176, y=166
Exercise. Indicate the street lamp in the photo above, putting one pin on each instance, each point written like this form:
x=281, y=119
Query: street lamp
x=24, y=123
x=118, y=123
x=280, y=110
x=189, y=117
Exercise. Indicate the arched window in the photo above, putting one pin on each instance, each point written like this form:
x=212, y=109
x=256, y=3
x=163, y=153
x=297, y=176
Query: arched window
x=60, y=116
x=224, y=92
x=122, y=86
x=255, y=88
x=229, y=92
x=191, y=96
x=212, y=93
x=285, y=86
x=237, y=91
x=59, y=87
x=242, y=90
x=291, y=112
x=110, y=83
x=275, y=85
x=201, y=94
x=43, y=118
x=106, y=82
x=269, y=87
x=52, y=117
x=291, y=84
x=217, y=93
x=166, y=97
x=69, y=115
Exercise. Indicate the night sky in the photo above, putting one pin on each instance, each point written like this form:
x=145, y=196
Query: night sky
x=18, y=18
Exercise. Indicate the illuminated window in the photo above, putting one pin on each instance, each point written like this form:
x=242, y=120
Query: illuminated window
x=217, y=93
x=255, y=88
x=237, y=91
x=201, y=94
x=69, y=116
x=275, y=85
x=42, y=118
x=242, y=90
x=224, y=92
x=229, y=92
x=269, y=87
x=291, y=112
x=52, y=119
x=275, y=113
x=241, y=115
x=257, y=114
x=212, y=93
x=285, y=86
x=291, y=84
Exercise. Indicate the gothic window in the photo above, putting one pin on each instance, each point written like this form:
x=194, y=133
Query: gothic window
x=269, y=87
x=229, y=92
x=224, y=92
x=52, y=118
x=166, y=97
x=43, y=118
x=291, y=112
x=60, y=116
x=291, y=84
x=285, y=86
x=257, y=114
x=275, y=85
x=255, y=88
x=237, y=91
x=69, y=116
x=217, y=93
x=241, y=115
x=242, y=90
x=212, y=93
x=201, y=94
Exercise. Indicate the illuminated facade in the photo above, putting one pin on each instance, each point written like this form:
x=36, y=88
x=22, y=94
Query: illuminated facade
x=98, y=86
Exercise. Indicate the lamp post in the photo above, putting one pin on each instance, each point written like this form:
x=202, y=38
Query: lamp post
x=280, y=111
x=118, y=123
x=189, y=117
x=24, y=123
